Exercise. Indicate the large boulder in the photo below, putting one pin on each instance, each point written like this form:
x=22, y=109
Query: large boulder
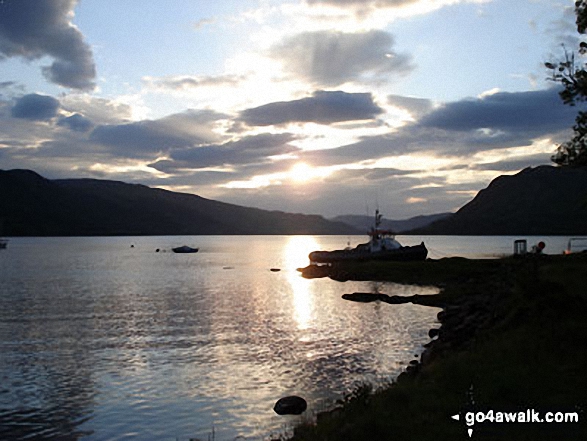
x=292, y=405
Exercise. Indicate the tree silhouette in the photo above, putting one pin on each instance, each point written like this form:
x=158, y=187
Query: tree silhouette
x=573, y=77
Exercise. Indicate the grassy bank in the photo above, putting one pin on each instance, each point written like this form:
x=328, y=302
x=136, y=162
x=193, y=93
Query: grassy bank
x=513, y=337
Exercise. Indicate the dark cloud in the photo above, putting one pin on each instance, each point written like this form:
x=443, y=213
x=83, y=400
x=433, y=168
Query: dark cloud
x=150, y=137
x=330, y=58
x=530, y=112
x=35, y=107
x=33, y=29
x=365, y=176
x=323, y=108
x=76, y=122
x=465, y=127
x=140, y=138
x=248, y=150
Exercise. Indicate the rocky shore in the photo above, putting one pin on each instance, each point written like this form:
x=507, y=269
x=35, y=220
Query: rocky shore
x=501, y=323
x=467, y=306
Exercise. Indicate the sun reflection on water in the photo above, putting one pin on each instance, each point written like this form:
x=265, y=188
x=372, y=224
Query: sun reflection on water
x=295, y=255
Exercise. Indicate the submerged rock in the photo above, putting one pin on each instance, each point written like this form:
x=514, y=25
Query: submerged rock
x=291, y=405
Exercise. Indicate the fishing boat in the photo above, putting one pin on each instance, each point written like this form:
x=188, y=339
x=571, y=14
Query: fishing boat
x=185, y=249
x=382, y=245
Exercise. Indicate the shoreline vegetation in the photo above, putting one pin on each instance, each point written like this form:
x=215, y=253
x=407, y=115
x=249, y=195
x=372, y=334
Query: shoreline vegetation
x=512, y=337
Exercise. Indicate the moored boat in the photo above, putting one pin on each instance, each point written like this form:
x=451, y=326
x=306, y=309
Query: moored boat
x=382, y=245
x=185, y=249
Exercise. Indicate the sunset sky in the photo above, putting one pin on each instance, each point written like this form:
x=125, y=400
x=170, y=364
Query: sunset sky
x=313, y=106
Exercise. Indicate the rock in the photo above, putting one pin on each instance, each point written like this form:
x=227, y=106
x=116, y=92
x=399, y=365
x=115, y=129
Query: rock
x=292, y=405
x=363, y=297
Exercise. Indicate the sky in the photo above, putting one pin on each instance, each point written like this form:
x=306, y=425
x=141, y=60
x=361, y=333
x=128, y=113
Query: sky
x=323, y=107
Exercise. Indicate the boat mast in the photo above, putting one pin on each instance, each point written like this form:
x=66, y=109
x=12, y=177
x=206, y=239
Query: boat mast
x=377, y=219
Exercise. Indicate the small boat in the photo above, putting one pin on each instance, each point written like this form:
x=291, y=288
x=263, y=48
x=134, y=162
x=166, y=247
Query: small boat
x=185, y=249
x=382, y=245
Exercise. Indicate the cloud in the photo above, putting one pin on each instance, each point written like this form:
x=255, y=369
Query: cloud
x=33, y=29
x=415, y=106
x=329, y=58
x=76, y=122
x=149, y=138
x=203, y=22
x=535, y=112
x=464, y=127
x=418, y=5
x=346, y=192
x=99, y=110
x=35, y=107
x=515, y=164
x=375, y=3
x=245, y=151
x=322, y=107
x=186, y=82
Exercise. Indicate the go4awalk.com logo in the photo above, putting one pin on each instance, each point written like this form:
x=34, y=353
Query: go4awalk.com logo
x=526, y=416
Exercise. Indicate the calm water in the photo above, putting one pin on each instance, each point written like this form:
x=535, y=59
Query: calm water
x=101, y=341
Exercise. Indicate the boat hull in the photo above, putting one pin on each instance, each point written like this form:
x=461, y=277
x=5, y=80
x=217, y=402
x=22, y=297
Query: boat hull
x=185, y=249
x=410, y=253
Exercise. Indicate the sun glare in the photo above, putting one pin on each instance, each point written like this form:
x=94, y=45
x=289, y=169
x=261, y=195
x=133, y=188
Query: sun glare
x=301, y=172
x=296, y=255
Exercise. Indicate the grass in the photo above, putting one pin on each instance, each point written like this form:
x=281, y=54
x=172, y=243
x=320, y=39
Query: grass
x=529, y=354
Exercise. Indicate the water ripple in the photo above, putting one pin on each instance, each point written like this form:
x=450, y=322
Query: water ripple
x=102, y=342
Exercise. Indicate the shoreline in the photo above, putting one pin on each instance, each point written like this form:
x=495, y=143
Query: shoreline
x=501, y=322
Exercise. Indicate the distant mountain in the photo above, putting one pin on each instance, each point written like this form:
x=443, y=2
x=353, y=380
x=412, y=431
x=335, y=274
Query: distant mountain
x=364, y=223
x=537, y=201
x=31, y=205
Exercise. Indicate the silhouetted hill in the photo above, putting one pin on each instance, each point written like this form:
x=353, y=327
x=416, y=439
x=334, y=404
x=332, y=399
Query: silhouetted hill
x=537, y=201
x=364, y=223
x=31, y=205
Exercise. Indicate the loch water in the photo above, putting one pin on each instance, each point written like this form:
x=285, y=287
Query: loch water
x=103, y=338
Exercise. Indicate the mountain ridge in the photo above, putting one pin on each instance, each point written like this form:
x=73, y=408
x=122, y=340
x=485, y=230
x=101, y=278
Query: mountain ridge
x=32, y=205
x=399, y=226
x=543, y=200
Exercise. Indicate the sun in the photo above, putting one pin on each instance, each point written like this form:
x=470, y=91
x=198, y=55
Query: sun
x=302, y=172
